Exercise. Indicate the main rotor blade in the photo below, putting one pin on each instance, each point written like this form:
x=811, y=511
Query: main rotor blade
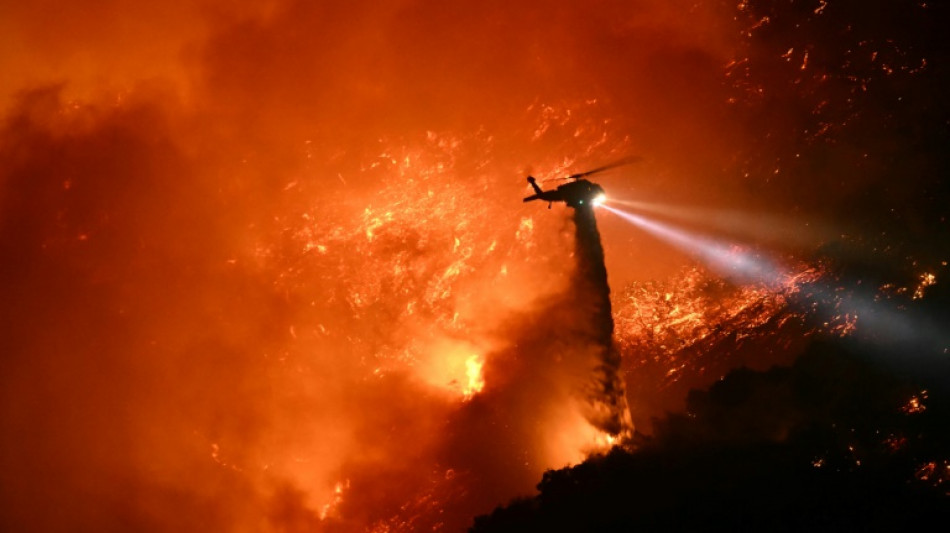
x=619, y=163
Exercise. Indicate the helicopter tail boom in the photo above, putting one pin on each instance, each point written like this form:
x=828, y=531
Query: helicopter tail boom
x=534, y=185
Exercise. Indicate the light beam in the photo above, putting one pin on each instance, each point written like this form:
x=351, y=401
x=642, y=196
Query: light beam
x=727, y=259
x=761, y=226
x=879, y=323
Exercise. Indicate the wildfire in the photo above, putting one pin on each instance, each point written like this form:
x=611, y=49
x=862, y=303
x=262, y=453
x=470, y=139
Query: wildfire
x=473, y=371
x=927, y=279
x=676, y=323
x=892, y=290
x=300, y=259
x=331, y=507
x=915, y=404
x=936, y=473
x=446, y=269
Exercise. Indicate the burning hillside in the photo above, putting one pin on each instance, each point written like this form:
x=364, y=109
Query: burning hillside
x=267, y=268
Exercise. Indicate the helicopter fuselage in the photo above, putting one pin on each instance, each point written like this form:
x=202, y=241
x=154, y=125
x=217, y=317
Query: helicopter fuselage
x=578, y=193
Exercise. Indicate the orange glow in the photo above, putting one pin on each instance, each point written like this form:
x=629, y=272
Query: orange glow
x=927, y=279
x=328, y=509
x=915, y=404
x=654, y=318
x=473, y=371
x=273, y=272
x=935, y=473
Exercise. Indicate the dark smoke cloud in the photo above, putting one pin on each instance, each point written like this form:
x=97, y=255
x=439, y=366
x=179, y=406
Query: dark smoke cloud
x=117, y=346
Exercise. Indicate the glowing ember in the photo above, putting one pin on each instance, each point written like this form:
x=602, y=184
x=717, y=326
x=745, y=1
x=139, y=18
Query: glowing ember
x=331, y=508
x=915, y=404
x=926, y=280
x=675, y=323
x=895, y=443
x=935, y=473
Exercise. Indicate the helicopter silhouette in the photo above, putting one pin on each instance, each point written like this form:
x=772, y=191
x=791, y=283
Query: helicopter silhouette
x=579, y=192
x=574, y=194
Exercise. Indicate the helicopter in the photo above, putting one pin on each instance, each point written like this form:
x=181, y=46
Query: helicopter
x=575, y=194
x=579, y=192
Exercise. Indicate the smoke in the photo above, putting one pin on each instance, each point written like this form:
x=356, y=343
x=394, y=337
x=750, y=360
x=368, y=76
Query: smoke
x=252, y=252
x=175, y=343
x=126, y=355
x=552, y=395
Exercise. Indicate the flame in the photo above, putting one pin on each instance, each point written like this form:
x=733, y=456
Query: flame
x=331, y=508
x=448, y=269
x=676, y=321
x=473, y=371
x=927, y=279
x=304, y=250
x=575, y=439
x=935, y=473
x=915, y=404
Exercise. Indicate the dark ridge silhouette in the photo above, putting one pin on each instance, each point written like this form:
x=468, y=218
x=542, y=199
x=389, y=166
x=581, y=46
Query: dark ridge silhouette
x=827, y=444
